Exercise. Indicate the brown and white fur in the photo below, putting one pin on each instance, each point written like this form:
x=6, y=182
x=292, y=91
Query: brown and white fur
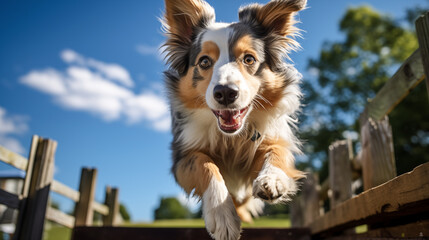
x=233, y=103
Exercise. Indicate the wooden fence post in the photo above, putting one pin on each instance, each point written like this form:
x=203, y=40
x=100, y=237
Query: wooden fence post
x=422, y=28
x=310, y=195
x=340, y=174
x=36, y=189
x=111, y=201
x=378, y=159
x=297, y=211
x=84, y=211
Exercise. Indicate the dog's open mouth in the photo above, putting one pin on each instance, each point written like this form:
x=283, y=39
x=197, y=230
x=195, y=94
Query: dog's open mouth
x=230, y=120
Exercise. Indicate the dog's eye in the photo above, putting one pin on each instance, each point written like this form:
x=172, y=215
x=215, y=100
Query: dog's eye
x=205, y=62
x=249, y=59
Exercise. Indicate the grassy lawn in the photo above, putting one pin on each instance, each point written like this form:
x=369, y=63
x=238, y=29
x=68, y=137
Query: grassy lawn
x=57, y=232
x=262, y=222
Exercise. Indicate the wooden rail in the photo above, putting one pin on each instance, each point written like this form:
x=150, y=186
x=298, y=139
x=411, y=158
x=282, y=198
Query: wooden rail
x=389, y=205
x=32, y=203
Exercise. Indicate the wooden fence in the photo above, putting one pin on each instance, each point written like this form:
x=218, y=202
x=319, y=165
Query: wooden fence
x=390, y=206
x=32, y=203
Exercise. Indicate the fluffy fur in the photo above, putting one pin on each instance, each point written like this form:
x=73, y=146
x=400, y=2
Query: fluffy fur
x=233, y=103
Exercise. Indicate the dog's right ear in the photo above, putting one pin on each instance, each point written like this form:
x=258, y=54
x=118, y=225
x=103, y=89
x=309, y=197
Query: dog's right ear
x=182, y=19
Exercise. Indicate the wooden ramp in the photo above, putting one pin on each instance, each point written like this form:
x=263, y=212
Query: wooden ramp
x=115, y=233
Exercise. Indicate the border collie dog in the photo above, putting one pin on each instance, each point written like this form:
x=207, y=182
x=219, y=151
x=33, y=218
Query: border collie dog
x=233, y=102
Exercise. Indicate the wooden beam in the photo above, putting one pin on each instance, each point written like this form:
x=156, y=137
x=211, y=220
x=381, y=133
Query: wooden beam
x=422, y=28
x=310, y=196
x=9, y=199
x=85, y=206
x=378, y=159
x=30, y=164
x=114, y=233
x=409, y=75
x=407, y=194
x=12, y=158
x=112, y=202
x=340, y=174
x=59, y=217
x=100, y=208
x=32, y=213
x=65, y=190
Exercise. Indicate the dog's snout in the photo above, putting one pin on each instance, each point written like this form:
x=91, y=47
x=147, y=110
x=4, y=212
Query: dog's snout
x=225, y=94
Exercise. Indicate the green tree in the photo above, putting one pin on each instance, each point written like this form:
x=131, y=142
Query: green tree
x=171, y=208
x=348, y=72
x=124, y=212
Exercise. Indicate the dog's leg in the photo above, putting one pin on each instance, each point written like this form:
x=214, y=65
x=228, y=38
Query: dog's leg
x=277, y=177
x=198, y=173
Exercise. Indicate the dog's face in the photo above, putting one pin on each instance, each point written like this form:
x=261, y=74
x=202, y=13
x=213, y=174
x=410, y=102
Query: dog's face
x=231, y=69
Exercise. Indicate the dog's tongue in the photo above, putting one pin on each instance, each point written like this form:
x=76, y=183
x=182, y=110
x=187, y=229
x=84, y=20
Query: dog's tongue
x=229, y=117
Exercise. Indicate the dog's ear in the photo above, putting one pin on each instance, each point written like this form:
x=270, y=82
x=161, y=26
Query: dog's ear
x=275, y=17
x=182, y=19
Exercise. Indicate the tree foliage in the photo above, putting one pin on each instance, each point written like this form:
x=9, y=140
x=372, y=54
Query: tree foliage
x=124, y=212
x=171, y=208
x=349, y=72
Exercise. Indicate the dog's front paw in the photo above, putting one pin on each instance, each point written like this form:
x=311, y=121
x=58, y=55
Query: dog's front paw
x=220, y=216
x=274, y=186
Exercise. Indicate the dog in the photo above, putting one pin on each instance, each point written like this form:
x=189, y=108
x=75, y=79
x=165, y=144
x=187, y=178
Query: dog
x=233, y=103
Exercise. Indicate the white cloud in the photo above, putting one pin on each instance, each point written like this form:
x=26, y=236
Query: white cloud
x=11, y=125
x=99, y=88
x=110, y=70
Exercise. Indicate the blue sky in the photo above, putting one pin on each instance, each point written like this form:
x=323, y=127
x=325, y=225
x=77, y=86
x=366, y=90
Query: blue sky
x=88, y=74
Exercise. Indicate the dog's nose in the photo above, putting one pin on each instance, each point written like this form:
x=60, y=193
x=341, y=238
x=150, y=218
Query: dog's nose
x=225, y=94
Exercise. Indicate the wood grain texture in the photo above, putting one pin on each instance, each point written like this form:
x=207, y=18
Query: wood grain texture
x=60, y=217
x=409, y=75
x=65, y=191
x=340, y=179
x=32, y=213
x=310, y=196
x=115, y=233
x=13, y=159
x=422, y=28
x=84, y=211
x=378, y=159
x=404, y=195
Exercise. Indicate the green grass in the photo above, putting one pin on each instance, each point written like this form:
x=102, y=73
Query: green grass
x=262, y=222
x=57, y=232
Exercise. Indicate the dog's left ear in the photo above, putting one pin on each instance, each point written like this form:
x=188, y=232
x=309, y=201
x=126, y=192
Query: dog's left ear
x=275, y=17
x=181, y=22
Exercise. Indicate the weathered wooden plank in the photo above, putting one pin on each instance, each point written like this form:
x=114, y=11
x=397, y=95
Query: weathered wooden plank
x=32, y=214
x=422, y=28
x=112, y=202
x=100, y=208
x=412, y=230
x=114, y=233
x=310, y=196
x=378, y=159
x=409, y=75
x=13, y=159
x=340, y=179
x=389, y=199
x=30, y=165
x=59, y=217
x=65, y=190
x=9, y=199
x=85, y=206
